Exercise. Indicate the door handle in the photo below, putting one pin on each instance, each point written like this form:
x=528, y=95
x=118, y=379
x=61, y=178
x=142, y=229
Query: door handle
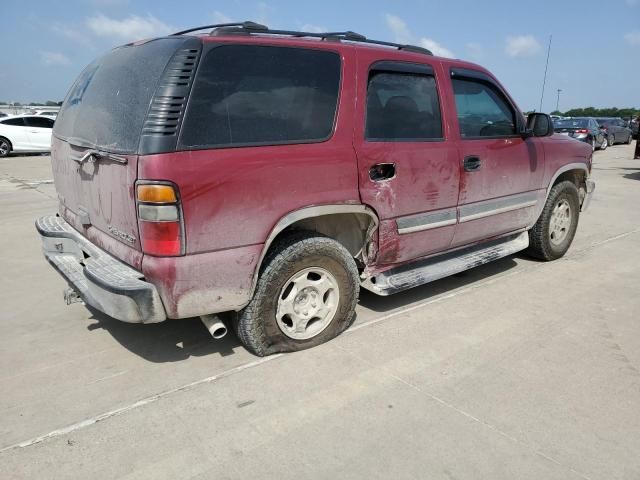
x=472, y=163
x=382, y=171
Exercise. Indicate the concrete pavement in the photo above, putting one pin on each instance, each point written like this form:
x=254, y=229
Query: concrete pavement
x=517, y=369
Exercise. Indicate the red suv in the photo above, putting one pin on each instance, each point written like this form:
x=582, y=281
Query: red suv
x=267, y=175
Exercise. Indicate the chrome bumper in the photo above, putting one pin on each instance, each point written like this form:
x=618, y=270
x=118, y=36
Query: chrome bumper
x=590, y=187
x=100, y=279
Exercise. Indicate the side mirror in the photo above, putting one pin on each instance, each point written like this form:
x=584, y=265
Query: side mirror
x=539, y=125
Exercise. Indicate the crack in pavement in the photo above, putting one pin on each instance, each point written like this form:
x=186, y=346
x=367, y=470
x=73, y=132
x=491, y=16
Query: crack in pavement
x=189, y=386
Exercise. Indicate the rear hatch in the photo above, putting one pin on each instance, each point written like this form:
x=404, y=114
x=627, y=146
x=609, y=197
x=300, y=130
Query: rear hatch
x=96, y=141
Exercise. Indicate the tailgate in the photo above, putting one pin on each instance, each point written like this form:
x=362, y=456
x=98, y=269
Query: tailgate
x=97, y=198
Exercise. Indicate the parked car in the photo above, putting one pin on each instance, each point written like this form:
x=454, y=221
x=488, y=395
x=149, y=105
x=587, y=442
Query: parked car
x=2, y=114
x=616, y=130
x=47, y=113
x=269, y=175
x=25, y=133
x=585, y=129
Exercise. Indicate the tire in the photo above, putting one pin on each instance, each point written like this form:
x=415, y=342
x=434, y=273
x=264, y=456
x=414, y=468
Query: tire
x=5, y=147
x=604, y=144
x=542, y=244
x=612, y=142
x=593, y=145
x=297, y=263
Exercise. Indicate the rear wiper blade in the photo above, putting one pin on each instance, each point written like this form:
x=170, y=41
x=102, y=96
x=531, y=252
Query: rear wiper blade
x=93, y=155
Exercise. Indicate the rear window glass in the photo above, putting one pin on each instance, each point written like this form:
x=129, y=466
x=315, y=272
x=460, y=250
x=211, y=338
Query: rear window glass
x=107, y=105
x=260, y=95
x=571, y=123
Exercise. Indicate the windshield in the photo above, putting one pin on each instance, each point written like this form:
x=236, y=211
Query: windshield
x=571, y=123
x=107, y=105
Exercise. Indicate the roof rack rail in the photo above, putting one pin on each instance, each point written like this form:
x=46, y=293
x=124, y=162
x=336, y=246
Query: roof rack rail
x=249, y=26
x=349, y=36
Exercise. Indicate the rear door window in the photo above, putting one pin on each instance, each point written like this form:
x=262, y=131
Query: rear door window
x=261, y=95
x=39, y=122
x=402, y=107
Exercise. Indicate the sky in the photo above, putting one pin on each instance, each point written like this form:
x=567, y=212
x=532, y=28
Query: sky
x=595, y=50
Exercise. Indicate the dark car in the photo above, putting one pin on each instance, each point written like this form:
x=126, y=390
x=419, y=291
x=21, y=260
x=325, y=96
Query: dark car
x=585, y=129
x=616, y=130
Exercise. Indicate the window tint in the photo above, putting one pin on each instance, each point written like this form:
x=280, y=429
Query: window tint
x=41, y=122
x=14, y=121
x=402, y=106
x=257, y=95
x=482, y=110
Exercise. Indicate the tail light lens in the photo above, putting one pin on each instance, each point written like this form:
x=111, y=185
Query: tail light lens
x=582, y=130
x=160, y=219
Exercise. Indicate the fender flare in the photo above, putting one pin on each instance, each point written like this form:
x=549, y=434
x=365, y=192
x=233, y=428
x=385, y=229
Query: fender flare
x=302, y=214
x=565, y=168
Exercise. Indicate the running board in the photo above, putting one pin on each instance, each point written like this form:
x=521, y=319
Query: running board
x=408, y=276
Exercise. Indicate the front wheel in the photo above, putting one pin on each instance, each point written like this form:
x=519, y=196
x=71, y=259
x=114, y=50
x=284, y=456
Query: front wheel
x=553, y=233
x=306, y=295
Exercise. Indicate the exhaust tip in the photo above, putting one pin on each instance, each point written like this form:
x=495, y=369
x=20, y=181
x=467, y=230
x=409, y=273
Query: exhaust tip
x=215, y=326
x=219, y=332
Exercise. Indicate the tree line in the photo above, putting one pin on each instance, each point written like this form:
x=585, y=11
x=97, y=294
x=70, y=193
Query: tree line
x=625, y=113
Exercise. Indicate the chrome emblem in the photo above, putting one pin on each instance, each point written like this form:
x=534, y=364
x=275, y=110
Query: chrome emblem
x=121, y=235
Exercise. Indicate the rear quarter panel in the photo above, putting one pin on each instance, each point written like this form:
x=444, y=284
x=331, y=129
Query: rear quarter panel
x=233, y=197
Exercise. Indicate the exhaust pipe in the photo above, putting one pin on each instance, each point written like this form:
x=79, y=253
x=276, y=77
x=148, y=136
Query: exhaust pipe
x=215, y=325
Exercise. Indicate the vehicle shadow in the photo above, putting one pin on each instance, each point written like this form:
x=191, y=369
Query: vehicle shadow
x=419, y=294
x=168, y=341
x=178, y=340
x=632, y=176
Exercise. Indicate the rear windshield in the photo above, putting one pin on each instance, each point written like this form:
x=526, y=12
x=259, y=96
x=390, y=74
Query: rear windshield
x=107, y=105
x=262, y=95
x=571, y=123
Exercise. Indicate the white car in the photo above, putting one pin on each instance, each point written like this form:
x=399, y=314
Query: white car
x=25, y=133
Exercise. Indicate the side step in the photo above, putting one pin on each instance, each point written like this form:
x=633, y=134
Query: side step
x=425, y=271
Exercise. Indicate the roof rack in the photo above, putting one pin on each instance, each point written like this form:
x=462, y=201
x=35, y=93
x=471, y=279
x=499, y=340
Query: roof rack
x=247, y=28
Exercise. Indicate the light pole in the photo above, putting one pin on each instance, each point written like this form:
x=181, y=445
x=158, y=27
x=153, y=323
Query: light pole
x=558, y=100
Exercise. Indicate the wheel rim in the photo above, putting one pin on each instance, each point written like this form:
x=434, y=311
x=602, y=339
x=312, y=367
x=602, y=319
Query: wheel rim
x=307, y=303
x=605, y=143
x=613, y=140
x=4, y=148
x=593, y=144
x=560, y=222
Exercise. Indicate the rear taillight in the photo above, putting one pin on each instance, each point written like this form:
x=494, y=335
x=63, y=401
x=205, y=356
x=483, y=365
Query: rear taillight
x=582, y=130
x=160, y=219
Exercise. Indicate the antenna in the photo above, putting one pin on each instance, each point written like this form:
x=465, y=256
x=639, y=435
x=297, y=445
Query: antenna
x=544, y=80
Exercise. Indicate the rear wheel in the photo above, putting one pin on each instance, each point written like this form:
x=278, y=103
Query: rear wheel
x=604, y=144
x=553, y=233
x=5, y=147
x=306, y=295
x=612, y=140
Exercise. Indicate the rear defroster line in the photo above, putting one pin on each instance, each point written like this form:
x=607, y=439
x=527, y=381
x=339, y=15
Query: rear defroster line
x=190, y=386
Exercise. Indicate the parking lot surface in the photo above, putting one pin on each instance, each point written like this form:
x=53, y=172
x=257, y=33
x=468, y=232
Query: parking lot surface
x=517, y=369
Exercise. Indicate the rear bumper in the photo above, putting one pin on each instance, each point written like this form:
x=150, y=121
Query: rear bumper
x=100, y=279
